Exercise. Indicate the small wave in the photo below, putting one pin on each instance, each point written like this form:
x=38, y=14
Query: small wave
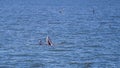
x=59, y=50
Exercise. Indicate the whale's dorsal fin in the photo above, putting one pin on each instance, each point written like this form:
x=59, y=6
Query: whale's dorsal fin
x=48, y=41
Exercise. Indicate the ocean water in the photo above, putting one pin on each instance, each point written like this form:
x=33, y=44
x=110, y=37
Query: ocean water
x=86, y=34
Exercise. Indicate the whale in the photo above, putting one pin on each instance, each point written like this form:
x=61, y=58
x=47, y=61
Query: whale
x=40, y=42
x=48, y=41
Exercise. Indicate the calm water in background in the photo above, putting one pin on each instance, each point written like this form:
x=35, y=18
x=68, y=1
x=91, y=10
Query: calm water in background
x=86, y=34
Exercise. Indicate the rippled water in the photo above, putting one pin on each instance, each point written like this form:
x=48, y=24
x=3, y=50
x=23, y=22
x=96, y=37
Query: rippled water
x=84, y=37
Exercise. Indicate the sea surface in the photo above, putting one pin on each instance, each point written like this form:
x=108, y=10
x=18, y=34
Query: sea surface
x=85, y=33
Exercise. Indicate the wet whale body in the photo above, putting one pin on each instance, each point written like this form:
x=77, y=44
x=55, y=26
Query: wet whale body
x=40, y=42
x=48, y=41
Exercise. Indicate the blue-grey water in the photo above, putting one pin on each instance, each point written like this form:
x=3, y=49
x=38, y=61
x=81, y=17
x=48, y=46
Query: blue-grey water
x=85, y=33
